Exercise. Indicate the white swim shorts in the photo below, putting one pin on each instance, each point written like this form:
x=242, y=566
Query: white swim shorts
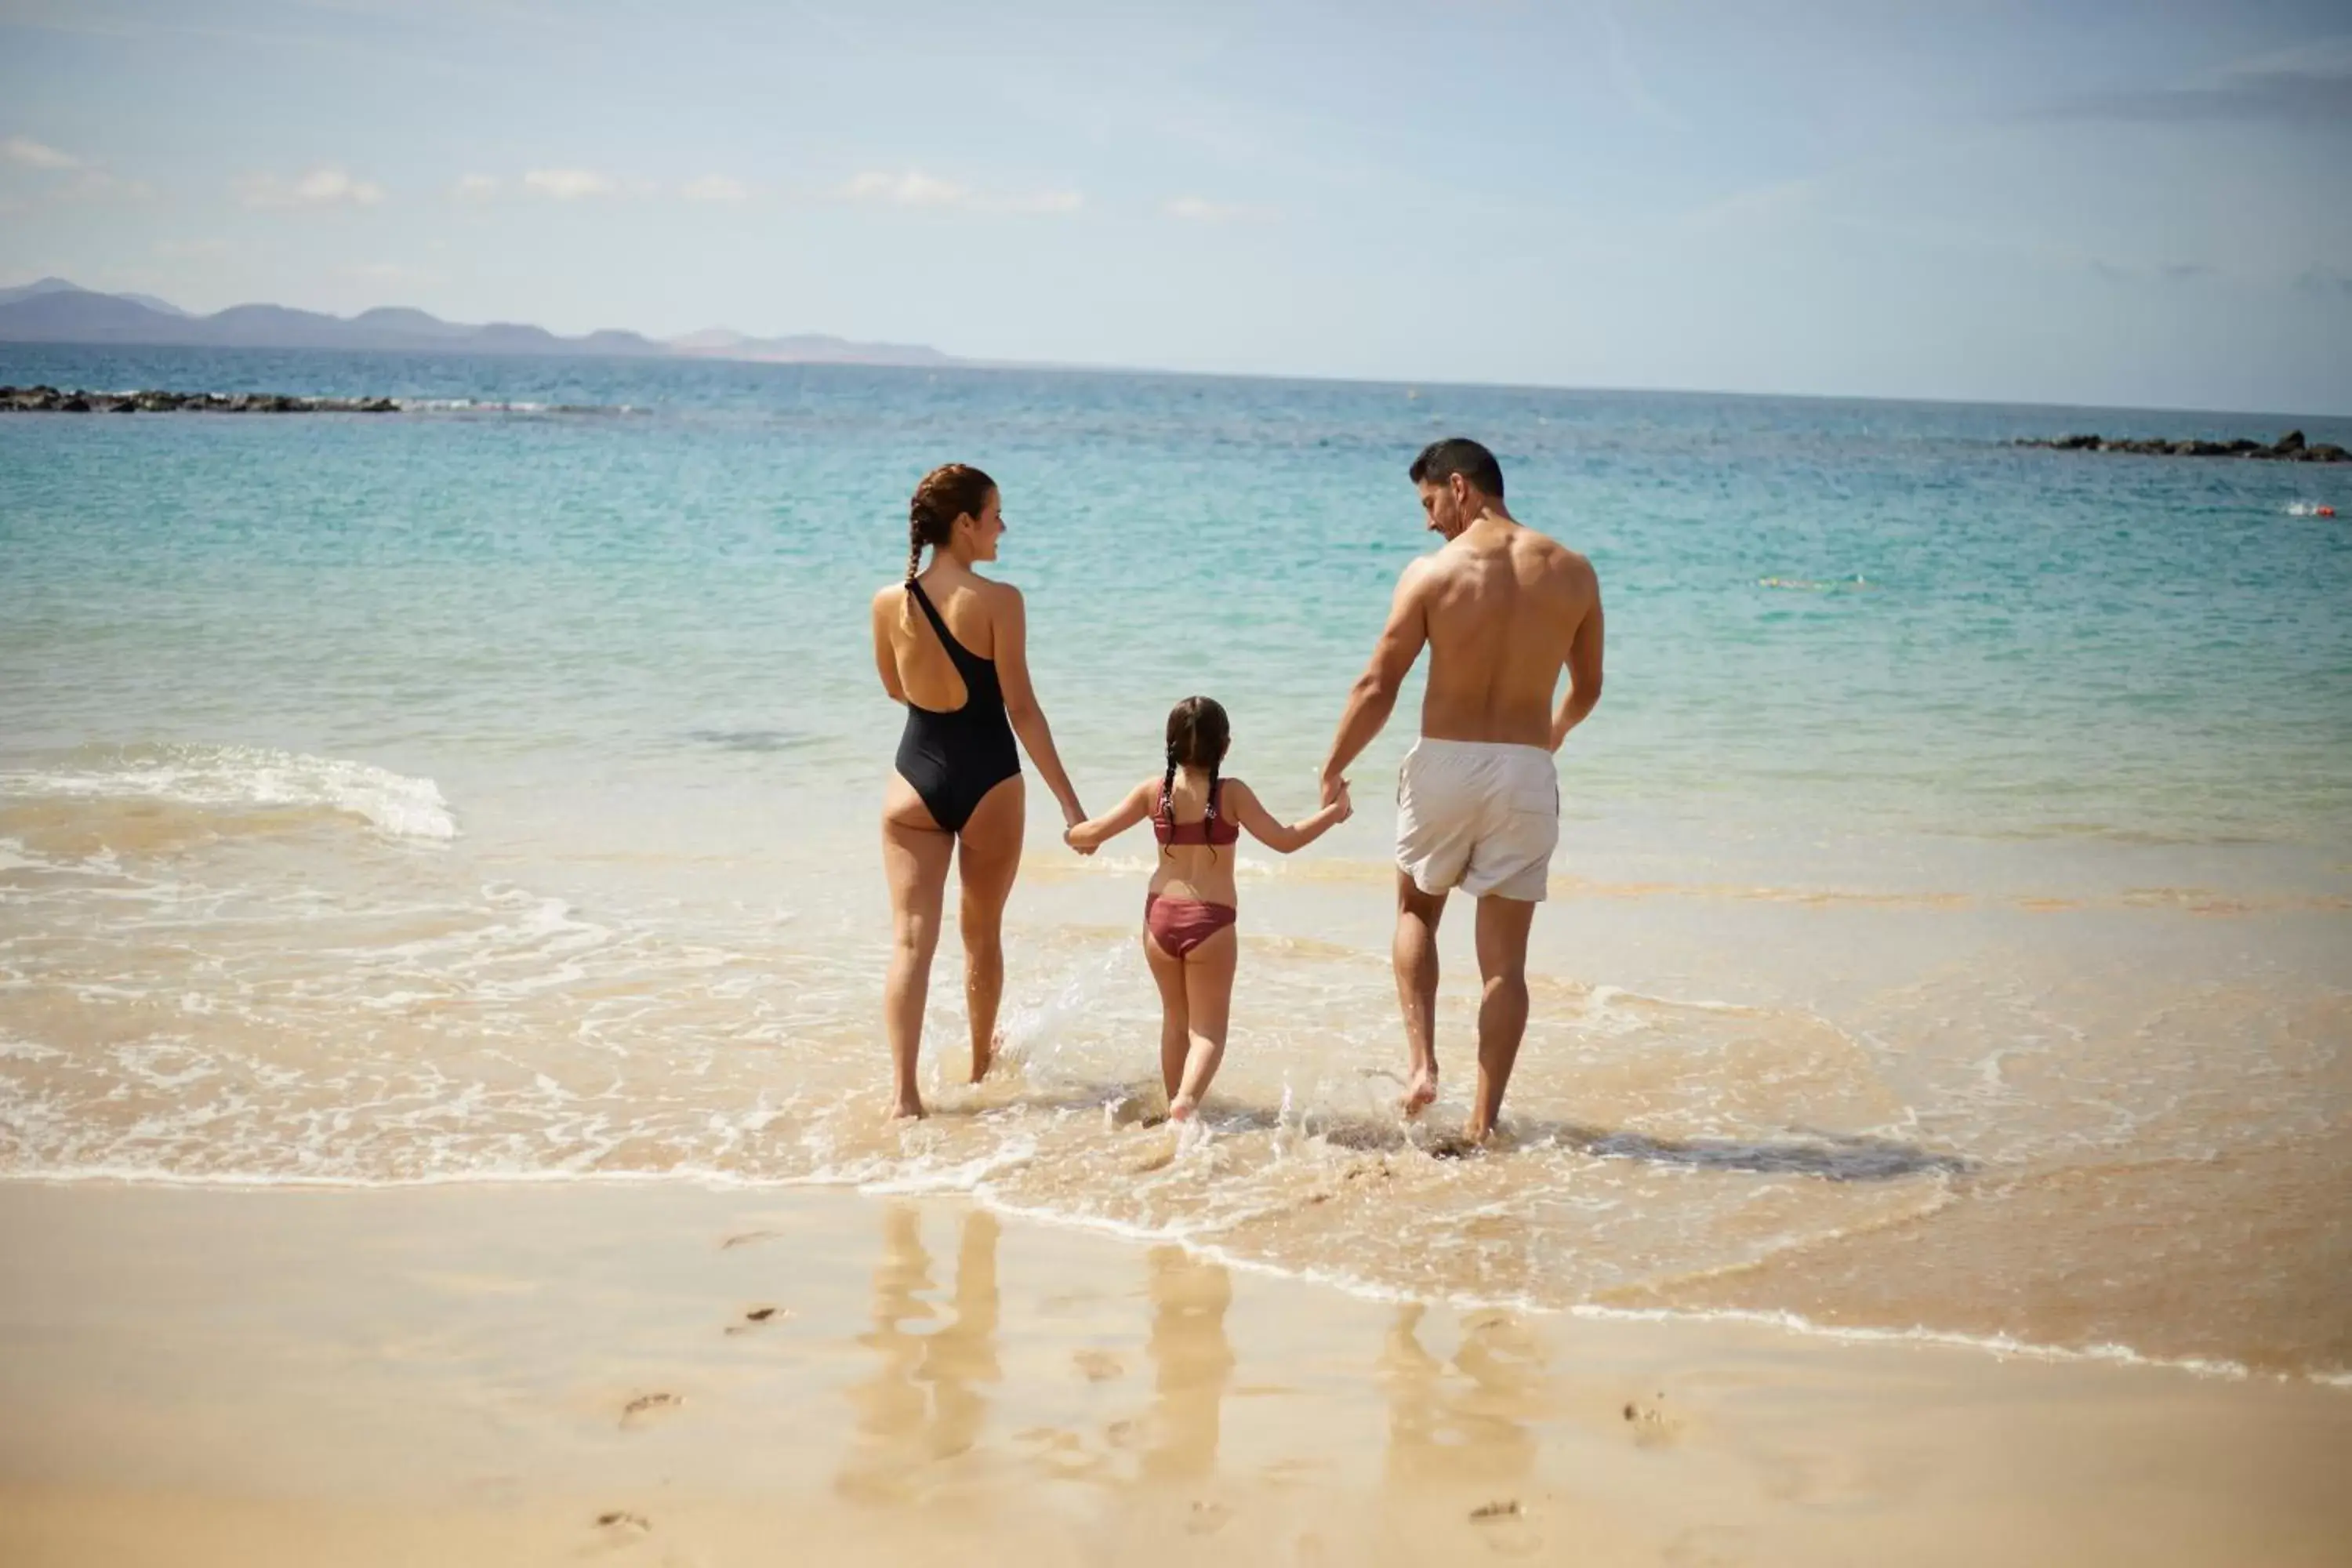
x=1478, y=816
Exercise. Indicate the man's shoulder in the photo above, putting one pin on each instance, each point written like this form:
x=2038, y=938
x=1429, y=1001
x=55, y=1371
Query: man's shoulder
x=1555, y=557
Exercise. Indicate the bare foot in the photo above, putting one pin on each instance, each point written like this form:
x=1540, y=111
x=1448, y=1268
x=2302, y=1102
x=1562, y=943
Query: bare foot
x=1419, y=1091
x=984, y=1057
x=906, y=1108
x=1181, y=1109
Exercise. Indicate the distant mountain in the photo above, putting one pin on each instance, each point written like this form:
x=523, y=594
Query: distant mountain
x=804, y=348
x=56, y=311
x=59, y=286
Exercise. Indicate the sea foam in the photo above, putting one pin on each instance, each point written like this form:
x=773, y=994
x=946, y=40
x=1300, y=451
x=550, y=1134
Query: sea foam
x=395, y=804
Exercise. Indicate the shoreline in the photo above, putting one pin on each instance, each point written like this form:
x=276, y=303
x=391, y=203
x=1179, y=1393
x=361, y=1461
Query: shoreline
x=522, y=1375
x=1795, y=1326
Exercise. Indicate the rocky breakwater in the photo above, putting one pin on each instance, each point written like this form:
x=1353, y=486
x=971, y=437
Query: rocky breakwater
x=50, y=400
x=2290, y=448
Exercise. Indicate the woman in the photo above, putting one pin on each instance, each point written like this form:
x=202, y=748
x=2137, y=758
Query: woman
x=952, y=646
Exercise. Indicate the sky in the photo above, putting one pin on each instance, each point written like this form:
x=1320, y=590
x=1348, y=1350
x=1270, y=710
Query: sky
x=2143, y=205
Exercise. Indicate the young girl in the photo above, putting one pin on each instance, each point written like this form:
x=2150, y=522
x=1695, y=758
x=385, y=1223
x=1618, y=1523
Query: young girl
x=1188, y=914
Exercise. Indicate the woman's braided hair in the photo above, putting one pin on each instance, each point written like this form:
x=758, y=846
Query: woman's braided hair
x=948, y=492
x=1198, y=734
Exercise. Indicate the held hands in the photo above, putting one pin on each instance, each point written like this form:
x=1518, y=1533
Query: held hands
x=1335, y=796
x=1074, y=818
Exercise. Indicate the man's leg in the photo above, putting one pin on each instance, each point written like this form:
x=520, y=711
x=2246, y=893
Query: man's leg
x=1415, y=955
x=1503, y=928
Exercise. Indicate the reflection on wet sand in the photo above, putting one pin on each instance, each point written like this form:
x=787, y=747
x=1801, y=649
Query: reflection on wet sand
x=1465, y=1422
x=919, y=1413
x=1192, y=1364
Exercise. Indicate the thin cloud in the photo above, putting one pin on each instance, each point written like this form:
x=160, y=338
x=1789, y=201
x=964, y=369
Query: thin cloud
x=716, y=188
x=1757, y=204
x=2154, y=273
x=2309, y=85
x=2326, y=280
x=1038, y=202
x=1201, y=209
x=477, y=188
x=913, y=188
x=392, y=272
x=570, y=185
x=322, y=187
x=72, y=178
x=26, y=153
x=1627, y=77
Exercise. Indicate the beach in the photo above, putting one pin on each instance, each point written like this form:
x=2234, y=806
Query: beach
x=440, y=911
x=667, y=1375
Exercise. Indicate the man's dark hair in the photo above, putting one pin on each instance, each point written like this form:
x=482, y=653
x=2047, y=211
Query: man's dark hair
x=1441, y=460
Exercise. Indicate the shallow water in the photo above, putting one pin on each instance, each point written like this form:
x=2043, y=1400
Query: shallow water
x=1948, y=933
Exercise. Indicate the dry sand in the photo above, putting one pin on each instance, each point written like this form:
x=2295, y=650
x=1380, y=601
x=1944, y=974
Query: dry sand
x=662, y=1374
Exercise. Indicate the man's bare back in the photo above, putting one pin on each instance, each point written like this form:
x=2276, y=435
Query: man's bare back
x=1503, y=610
x=1504, y=607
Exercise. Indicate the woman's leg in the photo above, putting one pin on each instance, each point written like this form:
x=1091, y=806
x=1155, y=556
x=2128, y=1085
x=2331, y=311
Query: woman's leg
x=1208, y=1002
x=988, y=860
x=1168, y=974
x=915, y=857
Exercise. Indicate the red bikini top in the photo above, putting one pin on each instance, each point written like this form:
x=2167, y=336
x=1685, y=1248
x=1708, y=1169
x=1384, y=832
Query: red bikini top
x=1181, y=835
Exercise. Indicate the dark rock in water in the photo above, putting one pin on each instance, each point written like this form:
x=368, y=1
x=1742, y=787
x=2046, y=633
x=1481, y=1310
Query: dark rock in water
x=49, y=400
x=2290, y=448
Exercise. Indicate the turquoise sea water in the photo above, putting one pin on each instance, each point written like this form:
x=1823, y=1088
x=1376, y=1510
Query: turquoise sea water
x=1859, y=616
x=488, y=791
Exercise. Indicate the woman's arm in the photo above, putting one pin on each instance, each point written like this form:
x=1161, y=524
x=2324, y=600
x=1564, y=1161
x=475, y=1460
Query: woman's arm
x=1284, y=839
x=886, y=659
x=1021, y=701
x=1088, y=836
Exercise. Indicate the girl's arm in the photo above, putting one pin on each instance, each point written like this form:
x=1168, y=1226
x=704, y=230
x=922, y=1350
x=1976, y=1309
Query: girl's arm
x=1086, y=837
x=1247, y=810
x=1021, y=701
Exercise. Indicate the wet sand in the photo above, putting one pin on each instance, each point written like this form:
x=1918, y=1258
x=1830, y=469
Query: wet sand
x=661, y=1374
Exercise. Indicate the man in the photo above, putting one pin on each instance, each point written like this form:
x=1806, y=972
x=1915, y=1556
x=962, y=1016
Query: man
x=1503, y=609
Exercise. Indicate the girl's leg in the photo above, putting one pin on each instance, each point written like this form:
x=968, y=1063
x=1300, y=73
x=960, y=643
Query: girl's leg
x=915, y=857
x=1168, y=974
x=987, y=861
x=1208, y=1001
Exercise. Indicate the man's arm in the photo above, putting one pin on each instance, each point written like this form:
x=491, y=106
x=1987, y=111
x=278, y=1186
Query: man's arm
x=1583, y=692
x=1374, y=695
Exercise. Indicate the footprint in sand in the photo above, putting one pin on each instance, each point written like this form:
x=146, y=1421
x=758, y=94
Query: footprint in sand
x=621, y=1521
x=647, y=1407
x=747, y=1238
x=1503, y=1525
x=1653, y=1428
x=755, y=1317
x=1099, y=1366
x=1207, y=1518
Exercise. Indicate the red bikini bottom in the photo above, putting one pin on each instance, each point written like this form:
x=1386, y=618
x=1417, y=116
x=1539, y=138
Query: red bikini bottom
x=1180, y=925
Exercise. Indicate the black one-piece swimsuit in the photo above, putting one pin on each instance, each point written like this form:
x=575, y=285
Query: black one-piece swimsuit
x=954, y=759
